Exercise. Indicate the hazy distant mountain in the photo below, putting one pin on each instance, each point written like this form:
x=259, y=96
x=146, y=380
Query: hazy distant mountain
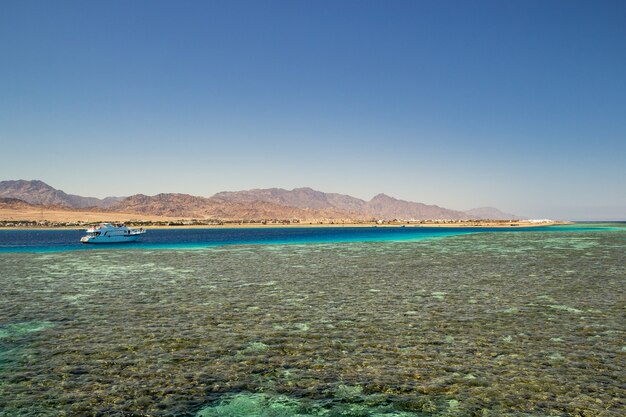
x=176, y=205
x=491, y=213
x=298, y=197
x=380, y=207
x=305, y=198
x=38, y=192
x=385, y=207
x=185, y=205
x=257, y=204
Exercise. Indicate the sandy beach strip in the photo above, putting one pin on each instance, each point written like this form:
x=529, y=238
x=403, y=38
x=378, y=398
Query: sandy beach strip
x=58, y=217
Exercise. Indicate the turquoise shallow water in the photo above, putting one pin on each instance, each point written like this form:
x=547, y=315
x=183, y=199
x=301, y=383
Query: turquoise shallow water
x=159, y=239
x=482, y=324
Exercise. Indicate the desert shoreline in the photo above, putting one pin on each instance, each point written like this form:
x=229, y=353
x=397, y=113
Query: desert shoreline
x=41, y=218
x=453, y=225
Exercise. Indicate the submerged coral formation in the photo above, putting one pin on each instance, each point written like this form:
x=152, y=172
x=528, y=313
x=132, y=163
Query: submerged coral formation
x=516, y=324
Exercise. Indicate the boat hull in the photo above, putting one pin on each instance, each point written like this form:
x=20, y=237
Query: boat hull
x=110, y=239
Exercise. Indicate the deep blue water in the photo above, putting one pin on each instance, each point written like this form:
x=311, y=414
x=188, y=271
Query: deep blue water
x=69, y=240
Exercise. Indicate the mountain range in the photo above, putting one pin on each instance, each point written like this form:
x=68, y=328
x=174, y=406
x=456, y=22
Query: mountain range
x=39, y=193
x=271, y=203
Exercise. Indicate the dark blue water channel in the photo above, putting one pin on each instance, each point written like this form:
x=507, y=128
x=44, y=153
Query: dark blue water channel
x=69, y=240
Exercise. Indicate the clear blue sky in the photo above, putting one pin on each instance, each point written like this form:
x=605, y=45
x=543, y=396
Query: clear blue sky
x=515, y=104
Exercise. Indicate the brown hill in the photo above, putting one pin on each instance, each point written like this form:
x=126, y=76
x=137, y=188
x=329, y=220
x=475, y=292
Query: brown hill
x=15, y=210
x=379, y=207
x=185, y=205
x=385, y=207
x=14, y=203
x=256, y=204
x=305, y=198
x=174, y=205
x=491, y=213
x=38, y=192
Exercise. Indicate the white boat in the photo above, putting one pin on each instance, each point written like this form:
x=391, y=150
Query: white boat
x=111, y=233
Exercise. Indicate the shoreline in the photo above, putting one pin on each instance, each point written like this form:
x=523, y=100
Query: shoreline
x=477, y=224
